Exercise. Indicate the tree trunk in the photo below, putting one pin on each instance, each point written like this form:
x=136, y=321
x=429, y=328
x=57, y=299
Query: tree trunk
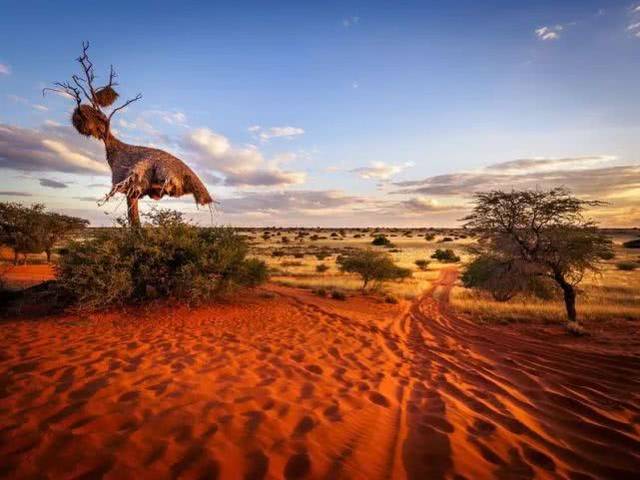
x=48, y=252
x=569, y=297
x=132, y=212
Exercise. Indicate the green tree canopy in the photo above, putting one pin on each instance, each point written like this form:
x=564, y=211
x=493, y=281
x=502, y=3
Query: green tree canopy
x=31, y=229
x=372, y=266
x=541, y=234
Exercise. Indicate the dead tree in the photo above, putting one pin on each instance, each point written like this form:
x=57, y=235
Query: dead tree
x=136, y=171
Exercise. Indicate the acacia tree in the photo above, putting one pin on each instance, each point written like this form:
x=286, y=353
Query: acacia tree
x=32, y=229
x=540, y=235
x=372, y=266
x=56, y=226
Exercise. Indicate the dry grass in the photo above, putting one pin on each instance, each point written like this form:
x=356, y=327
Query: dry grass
x=405, y=251
x=612, y=295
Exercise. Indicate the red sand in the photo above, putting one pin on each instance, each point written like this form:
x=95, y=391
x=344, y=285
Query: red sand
x=23, y=276
x=297, y=386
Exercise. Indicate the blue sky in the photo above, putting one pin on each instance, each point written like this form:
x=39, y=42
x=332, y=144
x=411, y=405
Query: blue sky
x=333, y=113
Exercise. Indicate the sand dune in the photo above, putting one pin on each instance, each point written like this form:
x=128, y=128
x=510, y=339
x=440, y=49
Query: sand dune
x=298, y=386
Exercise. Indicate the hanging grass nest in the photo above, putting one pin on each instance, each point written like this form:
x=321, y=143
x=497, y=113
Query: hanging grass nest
x=89, y=121
x=105, y=96
x=156, y=174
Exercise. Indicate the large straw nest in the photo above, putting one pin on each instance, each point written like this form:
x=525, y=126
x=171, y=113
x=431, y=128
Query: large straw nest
x=89, y=121
x=159, y=174
x=105, y=96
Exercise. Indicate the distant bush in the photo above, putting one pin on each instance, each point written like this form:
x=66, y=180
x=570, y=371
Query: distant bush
x=166, y=258
x=446, y=239
x=608, y=255
x=445, y=256
x=422, y=264
x=632, y=243
x=322, y=255
x=388, y=298
x=429, y=237
x=381, y=241
x=322, y=268
x=627, y=266
x=338, y=295
x=293, y=263
x=372, y=266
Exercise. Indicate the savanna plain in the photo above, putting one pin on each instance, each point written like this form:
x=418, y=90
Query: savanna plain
x=310, y=376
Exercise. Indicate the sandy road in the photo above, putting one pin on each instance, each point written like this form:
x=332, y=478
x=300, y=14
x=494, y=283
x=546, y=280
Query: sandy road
x=298, y=386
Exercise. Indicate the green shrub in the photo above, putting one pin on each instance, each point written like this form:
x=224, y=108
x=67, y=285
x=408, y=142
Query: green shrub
x=381, y=241
x=372, y=266
x=506, y=279
x=632, y=244
x=627, y=266
x=445, y=256
x=429, y=237
x=166, y=258
x=322, y=268
x=422, y=264
x=338, y=295
x=388, y=298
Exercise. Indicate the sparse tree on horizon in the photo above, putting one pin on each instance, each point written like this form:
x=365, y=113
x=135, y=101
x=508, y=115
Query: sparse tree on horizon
x=31, y=229
x=540, y=234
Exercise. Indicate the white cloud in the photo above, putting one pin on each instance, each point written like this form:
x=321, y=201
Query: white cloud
x=381, y=170
x=24, y=101
x=549, y=33
x=5, y=69
x=350, y=21
x=50, y=148
x=355, y=85
x=75, y=159
x=266, y=134
x=595, y=176
x=241, y=166
x=170, y=117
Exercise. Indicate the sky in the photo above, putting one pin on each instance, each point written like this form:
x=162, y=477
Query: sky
x=331, y=113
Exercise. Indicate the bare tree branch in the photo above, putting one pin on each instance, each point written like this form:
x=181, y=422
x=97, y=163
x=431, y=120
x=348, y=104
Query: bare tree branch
x=125, y=104
x=87, y=67
x=67, y=89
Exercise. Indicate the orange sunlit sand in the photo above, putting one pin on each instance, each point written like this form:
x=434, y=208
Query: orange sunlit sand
x=290, y=385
